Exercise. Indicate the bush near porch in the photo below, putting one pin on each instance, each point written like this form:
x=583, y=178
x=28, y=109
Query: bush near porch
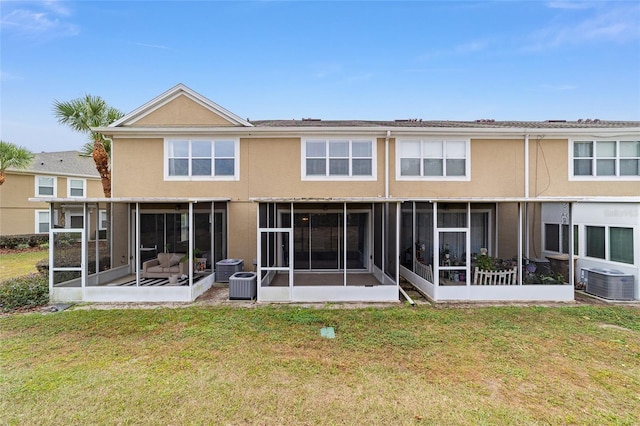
x=28, y=291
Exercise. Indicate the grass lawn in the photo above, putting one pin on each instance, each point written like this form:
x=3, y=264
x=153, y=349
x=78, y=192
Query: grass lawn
x=270, y=366
x=20, y=263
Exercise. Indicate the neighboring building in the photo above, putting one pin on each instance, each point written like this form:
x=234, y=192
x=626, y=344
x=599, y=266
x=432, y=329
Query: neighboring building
x=64, y=174
x=340, y=210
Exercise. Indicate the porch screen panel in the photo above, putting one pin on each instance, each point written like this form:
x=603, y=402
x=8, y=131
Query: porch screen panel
x=390, y=240
x=407, y=238
x=219, y=231
x=479, y=231
x=357, y=239
x=377, y=235
x=424, y=233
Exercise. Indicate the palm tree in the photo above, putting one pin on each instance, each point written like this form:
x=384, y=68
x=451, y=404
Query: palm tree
x=14, y=156
x=81, y=115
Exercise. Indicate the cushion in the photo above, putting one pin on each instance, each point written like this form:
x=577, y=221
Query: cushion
x=174, y=259
x=163, y=258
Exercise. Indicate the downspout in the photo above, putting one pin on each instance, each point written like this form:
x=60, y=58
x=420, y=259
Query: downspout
x=386, y=164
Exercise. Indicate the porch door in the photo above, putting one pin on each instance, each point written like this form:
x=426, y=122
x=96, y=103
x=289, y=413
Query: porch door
x=453, y=254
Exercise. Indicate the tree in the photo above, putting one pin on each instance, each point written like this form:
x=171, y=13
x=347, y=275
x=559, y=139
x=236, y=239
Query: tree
x=81, y=115
x=14, y=156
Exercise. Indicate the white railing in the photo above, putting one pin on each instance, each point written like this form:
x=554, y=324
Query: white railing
x=424, y=271
x=483, y=277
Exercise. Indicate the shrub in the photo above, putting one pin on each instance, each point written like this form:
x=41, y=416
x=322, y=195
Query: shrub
x=27, y=291
x=25, y=240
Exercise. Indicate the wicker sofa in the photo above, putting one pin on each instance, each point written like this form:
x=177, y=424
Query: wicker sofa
x=165, y=265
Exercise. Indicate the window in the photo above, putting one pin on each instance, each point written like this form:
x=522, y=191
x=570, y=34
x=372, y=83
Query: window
x=103, y=220
x=76, y=187
x=201, y=159
x=42, y=221
x=552, y=237
x=556, y=238
x=610, y=243
x=619, y=159
x=338, y=158
x=46, y=186
x=432, y=159
x=621, y=245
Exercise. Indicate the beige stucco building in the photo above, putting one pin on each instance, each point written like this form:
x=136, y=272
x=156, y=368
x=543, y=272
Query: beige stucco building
x=64, y=174
x=341, y=210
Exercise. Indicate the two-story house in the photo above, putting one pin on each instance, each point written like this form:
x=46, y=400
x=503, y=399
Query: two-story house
x=64, y=174
x=341, y=210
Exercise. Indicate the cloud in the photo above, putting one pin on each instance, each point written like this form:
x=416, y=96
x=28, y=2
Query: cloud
x=608, y=23
x=42, y=22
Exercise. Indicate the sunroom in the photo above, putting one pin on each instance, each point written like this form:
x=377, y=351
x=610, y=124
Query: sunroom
x=327, y=250
x=484, y=250
x=135, y=250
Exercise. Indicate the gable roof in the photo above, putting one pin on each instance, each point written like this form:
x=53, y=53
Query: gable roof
x=171, y=94
x=64, y=163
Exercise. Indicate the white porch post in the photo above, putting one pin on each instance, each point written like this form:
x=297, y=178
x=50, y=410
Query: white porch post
x=436, y=251
x=571, y=243
x=397, y=273
x=137, y=246
x=344, y=243
x=258, y=254
x=190, y=259
x=520, y=243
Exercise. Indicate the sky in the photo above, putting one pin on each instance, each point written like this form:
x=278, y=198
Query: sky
x=369, y=60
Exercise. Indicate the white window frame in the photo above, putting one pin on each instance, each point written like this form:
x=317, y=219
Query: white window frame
x=84, y=187
x=348, y=177
x=213, y=177
x=607, y=242
x=38, y=222
x=594, y=158
x=102, y=213
x=37, y=185
x=444, y=177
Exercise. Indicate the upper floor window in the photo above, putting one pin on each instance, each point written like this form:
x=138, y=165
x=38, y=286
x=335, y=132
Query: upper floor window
x=432, y=159
x=46, y=186
x=76, y=187
x=201, y=159
x=606, y=159
x=338, y=159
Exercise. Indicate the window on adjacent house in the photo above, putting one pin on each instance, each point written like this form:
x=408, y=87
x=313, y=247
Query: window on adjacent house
x=621, y=244
x=338, y=158
x=76, y=187
x=202, y=159
x=433, y=159
x=556, y=238
x=103, y=220
x=552, y=237
x=42, y=221
x=606, y=159
x=595, y=244
x=46, y=186
x=611, y=243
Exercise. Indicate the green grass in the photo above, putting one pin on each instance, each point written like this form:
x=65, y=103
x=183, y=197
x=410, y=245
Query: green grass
x=20, y=263
x=269, y=365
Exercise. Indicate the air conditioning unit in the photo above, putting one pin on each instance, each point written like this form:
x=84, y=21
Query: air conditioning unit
x=609, y=284
x=243, y=286
x=227, y=267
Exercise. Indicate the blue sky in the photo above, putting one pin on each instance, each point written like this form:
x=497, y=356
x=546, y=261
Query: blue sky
x=452, y=60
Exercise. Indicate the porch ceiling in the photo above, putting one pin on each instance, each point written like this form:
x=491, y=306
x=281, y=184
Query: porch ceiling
x=326, y=200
